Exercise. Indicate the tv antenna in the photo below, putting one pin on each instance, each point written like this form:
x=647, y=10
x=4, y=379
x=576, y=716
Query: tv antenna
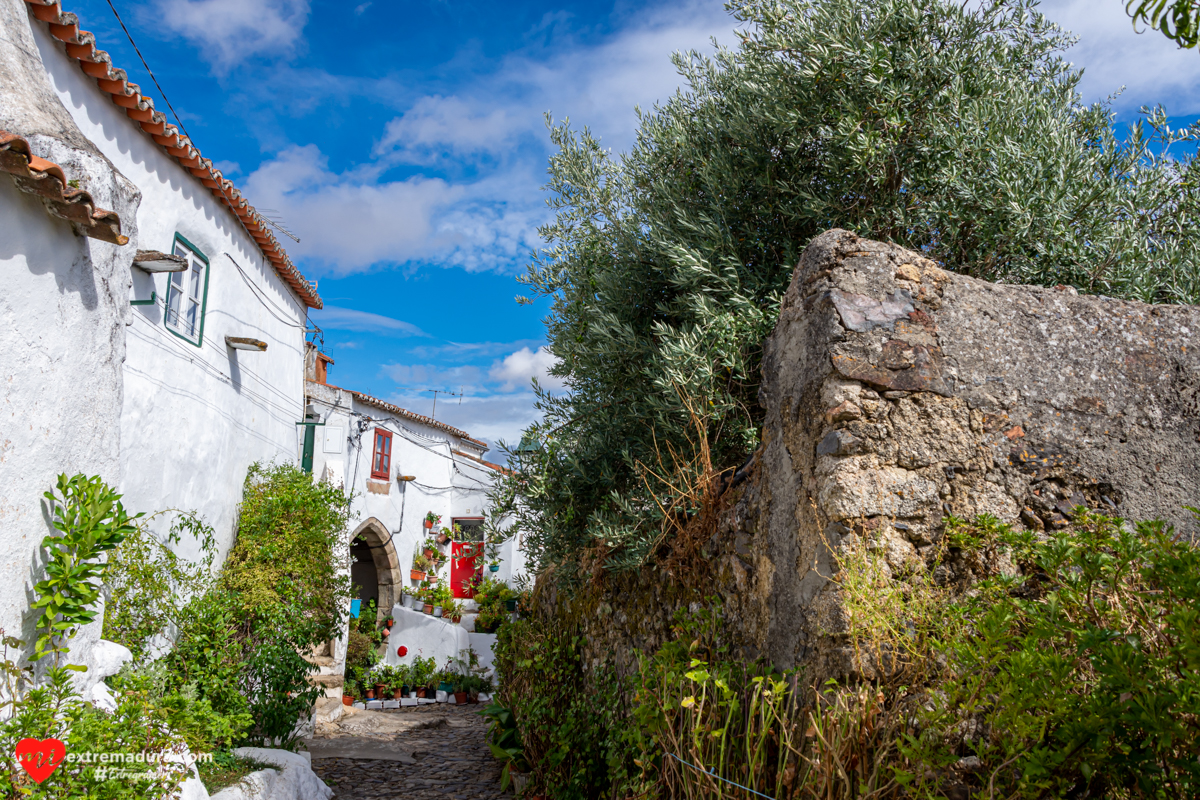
x=277, y=223
x=446, y=392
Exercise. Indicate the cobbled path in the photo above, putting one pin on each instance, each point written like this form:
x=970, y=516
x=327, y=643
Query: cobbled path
x=452, y=761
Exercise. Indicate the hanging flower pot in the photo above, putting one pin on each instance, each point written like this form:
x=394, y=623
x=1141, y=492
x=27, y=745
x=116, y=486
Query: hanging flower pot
x=417, y=575
x=429, y=552
x=443, y=538
x=494, y=567
x=402, y=651
x=428, y=524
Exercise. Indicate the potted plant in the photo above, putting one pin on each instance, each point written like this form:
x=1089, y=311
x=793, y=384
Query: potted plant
x=460, y=690
x=432, y=519
x=437, y=611
x=406, y=598
x=420, y=565
x=444, y=536
x=494, y=565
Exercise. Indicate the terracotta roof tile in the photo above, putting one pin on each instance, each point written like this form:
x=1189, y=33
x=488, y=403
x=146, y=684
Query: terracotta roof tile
x=402, y=412
x=488, y=464
x=81, y=45
x=47, y=180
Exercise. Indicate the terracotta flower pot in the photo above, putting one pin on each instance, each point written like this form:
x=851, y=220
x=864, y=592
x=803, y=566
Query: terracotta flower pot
x=370, y=694
x=428, y=553
x=460, y=698
x=347, y=700
x=457, y=618
x=380, y=690
x=428, y=524
x=443, y=538
x=396, y=695
x=429, y=609
x=421, y=692
x=417, y=575
x=391, y=622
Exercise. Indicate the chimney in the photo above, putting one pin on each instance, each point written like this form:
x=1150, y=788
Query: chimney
x=323, y=364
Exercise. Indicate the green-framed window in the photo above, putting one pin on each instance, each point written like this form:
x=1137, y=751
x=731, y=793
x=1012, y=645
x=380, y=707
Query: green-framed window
x=187, y=294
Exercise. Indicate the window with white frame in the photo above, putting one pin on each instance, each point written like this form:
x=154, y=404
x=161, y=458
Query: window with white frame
x=187, y=292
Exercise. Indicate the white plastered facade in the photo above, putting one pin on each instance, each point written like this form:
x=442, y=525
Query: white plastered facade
x=450, y=480
x=194, y=417
x=92, y=384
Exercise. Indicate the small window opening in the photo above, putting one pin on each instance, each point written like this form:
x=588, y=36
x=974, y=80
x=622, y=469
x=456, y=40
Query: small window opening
x=381, y=460
x=186, y=294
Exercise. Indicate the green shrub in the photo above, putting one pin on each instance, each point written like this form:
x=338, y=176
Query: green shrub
x=1077, y=676
x=567, y=730
x=146, y=583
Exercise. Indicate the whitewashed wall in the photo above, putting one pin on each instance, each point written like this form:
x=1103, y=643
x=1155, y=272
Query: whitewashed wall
x=193, y=418
x=63, y=310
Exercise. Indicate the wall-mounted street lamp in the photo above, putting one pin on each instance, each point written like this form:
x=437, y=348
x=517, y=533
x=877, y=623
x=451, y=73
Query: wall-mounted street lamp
x=242, y=343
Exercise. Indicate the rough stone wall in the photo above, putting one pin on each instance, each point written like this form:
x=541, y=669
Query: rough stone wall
x=896, y=394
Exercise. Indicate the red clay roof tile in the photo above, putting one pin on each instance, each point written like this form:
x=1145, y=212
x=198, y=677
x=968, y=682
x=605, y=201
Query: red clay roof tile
x=81, y=45
x=47, y=180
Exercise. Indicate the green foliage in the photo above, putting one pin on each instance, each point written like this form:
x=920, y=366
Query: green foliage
x=1084, y=670
x=954, y=129
x=52, y=709
x=566, y=731
x=1178, y=20
x=288, y=555
x=226, y=769
x=1076, y=676
x=91, y=521
x=146, y=582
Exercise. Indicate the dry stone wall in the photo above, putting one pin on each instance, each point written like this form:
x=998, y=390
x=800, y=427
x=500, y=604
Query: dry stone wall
x=898, y=393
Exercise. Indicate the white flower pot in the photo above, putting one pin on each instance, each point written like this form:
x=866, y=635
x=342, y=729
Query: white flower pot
x=437, y=611
x=418, y=605
x=408, y=601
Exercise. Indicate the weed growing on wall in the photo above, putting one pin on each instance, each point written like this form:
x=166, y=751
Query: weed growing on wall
x=146, y=583
x=1068, y=666
x=91, y=522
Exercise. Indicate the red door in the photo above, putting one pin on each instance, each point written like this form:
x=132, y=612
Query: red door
x=462, y=568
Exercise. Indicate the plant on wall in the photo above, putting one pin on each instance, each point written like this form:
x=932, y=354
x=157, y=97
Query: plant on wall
x=91, y=521
x=146, y=583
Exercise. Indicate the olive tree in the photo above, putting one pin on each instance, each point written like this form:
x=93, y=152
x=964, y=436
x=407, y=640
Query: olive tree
x=955, y=129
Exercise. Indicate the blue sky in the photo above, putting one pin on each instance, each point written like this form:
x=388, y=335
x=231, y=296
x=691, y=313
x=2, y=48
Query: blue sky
x=404, y=143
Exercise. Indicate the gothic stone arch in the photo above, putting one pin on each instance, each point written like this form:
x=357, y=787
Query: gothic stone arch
x=387, y=565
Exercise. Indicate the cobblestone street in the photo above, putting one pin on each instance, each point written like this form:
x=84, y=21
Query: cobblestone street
x=429, y=753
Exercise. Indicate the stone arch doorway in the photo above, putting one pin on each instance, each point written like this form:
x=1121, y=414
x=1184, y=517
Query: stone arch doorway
x=374, y=565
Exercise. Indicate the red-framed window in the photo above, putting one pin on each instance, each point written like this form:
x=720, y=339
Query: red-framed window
x=381, y=458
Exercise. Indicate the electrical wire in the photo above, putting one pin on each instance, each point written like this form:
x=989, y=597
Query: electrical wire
x=129, y=36
x=266, y=302
x=161, y=303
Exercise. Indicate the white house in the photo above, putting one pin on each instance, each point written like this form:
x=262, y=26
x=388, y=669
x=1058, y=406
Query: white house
x=401, y=467
x=160, y=344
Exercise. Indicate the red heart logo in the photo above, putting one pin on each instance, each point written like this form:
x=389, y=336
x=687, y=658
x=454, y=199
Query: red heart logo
x=40, y=757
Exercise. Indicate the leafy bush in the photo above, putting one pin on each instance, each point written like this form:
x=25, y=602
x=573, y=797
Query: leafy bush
x=1075, y=676
x=954, y=129
x=146, y=582
x=567, y=729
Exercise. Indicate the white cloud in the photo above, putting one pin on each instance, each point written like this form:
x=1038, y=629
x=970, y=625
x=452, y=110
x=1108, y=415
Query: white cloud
x=518, y=369
x=492, y=130
x=1112, y=55
x=230, y=31
x=493, y=419
x=348, y=319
